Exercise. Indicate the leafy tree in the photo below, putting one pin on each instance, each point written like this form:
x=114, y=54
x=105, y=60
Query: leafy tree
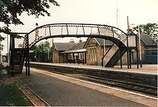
x=10, y=10
x=42, y=52
x=150, y=29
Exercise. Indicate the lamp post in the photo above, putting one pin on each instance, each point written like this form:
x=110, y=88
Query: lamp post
x=139, y=40
x=140, y=50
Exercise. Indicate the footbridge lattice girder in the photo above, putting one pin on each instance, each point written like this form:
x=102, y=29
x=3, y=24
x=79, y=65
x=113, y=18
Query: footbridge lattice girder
x=114, y=34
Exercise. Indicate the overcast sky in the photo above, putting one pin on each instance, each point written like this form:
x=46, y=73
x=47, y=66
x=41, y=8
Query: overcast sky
x=96, y=12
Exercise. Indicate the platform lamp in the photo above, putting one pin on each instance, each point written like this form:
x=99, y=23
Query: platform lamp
x=140, y=50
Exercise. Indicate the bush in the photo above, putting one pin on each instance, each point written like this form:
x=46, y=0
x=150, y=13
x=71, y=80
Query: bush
x=1, y=70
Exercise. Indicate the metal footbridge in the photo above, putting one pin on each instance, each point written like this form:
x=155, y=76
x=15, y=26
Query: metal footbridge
x=19, y=47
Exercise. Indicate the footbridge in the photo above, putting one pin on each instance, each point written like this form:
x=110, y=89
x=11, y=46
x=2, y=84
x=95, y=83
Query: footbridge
x=19, y=47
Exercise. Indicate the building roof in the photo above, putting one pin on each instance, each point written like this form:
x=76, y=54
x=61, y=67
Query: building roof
x=63, y=46
x=73, y=47
x=77, y=46
x=147, y=40
x=101, y=42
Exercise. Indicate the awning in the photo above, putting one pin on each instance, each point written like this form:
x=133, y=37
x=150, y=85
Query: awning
x=75, y=51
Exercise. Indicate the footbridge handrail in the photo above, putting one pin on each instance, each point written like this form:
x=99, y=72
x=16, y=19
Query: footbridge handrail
x=74, y=30
x=54, y=30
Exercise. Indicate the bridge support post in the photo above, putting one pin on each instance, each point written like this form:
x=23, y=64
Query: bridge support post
x=27, y=57
x=28, y=63
x=12, y=48
x=120, y=59
x=130, y=63
x=102, y=62
x=137, y=52
x=127, y=55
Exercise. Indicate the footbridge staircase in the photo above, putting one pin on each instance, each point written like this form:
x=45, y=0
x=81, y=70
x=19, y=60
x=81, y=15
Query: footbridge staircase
x=19, y=47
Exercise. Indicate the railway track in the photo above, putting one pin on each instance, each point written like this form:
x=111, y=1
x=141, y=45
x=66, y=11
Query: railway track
x=140, y=88
x=144, y=89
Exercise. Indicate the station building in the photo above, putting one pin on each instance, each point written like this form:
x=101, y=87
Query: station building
x=94, y=51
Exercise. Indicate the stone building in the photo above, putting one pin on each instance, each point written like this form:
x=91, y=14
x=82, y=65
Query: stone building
x=76, y=54
x=96, y=48
x=147, y=43
x=96, y=51
x=58, y=48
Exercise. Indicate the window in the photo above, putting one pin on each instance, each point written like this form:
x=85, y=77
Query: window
x=150, y=52
x=93, y=54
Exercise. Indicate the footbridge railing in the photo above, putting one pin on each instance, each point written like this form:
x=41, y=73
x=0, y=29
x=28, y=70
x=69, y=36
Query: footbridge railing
x=76, y=30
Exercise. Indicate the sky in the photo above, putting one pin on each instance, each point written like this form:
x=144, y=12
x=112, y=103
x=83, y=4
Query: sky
x=94, y=12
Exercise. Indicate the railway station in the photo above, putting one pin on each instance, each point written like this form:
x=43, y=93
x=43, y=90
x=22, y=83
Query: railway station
x=105, y=62
x=119, y=64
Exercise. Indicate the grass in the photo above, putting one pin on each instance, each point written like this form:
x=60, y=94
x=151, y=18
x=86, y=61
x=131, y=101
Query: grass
x=10, y=95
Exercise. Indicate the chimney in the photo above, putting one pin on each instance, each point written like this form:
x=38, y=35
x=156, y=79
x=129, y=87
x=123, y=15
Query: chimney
x=71, y=41
x=80, y=40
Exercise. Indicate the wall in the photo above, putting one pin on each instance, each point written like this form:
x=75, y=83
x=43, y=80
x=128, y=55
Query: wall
x=55, y=58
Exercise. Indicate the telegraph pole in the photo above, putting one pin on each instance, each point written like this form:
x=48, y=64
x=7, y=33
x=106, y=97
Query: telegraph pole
x=127, y=42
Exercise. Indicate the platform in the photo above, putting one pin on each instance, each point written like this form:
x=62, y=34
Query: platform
x=146, y=68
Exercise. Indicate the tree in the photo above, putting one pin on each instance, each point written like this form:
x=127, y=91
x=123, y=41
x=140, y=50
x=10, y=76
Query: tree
x=150, y=29
x=42, y=51
x=10, y=10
